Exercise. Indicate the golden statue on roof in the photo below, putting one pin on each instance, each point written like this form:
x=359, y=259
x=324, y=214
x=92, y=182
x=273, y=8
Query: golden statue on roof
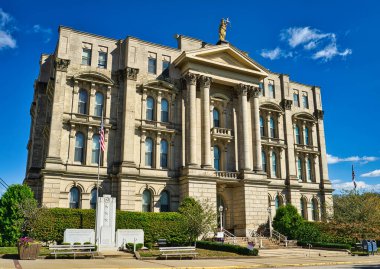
x=223, y=29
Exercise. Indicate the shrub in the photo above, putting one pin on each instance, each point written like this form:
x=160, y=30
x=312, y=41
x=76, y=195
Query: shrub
x=87, y=243
x=130, y=246
x=227, y=248
x=77, y=244
x=324, y=245
x=308, y=231
x=11, y=217
x=53, y=222
x=149, y=245
x=287, y=221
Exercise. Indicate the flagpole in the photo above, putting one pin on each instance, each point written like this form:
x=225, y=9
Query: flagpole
x=97, y=188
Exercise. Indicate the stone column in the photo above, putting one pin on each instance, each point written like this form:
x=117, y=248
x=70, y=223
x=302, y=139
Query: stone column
x=142, y=148
x=88, y=156
x=289, y=137
x=205, y=83
x=243, y=100
x=157, y=150
x=171, y=163
x=282, y=163
x=236, y=133
x=54, y=159
x=75, y=97
x=72, y=144
x=269, y=164
x=91, y=107
x=107, y=104
x=317, y=172
x=269, y=113
x=191, y=80
x=158, y=107
x=303, y=139
x=280, y=129
x=309, y=211
x=314, y=140
x=258, y=165
x=129, y=77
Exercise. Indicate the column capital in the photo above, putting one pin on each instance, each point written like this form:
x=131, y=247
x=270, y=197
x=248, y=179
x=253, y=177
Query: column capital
x=287, y=104
x=243, y=89
x=128, y=73
x=205, y=81
x=61, y=64
x=255, y=92
x=319, y=114
x=191, y=78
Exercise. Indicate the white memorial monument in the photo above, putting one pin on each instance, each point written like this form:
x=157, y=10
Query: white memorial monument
x=134, y=236
x=106, y=221
x=79, y=236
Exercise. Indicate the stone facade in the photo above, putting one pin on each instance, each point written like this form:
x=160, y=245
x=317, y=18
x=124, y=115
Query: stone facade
x=199, y=120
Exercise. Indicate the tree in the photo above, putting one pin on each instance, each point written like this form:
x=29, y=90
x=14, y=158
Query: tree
x=10, y=214
x=287, y=221
x=199, y=218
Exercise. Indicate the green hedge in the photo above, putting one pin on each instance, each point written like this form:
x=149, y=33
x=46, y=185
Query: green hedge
x=53, y=222
x=227, y=247
x=324, y=245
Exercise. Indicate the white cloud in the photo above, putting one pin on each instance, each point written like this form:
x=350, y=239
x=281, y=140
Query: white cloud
x=275, y=54
x=6, y=38
x=374, y=173
x=299, y=35
x=365, y=159
x=339, y=186
x=316, y=44
x=46, y=32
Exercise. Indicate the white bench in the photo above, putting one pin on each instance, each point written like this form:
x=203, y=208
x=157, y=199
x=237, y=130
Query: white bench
x=178, y=251
x=72, y=249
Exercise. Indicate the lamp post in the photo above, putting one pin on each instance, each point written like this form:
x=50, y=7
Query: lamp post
x=221, y=217
x=270, y=221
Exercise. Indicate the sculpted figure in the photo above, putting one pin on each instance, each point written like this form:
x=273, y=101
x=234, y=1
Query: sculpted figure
x=223, y=29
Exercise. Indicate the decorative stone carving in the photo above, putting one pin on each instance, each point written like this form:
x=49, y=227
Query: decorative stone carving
x=287, y=104
x=255, y=92
x=61, y=64
x=131, y=73
x=242, y=89
x=205, y=81
x=191, y=78
x=319, y=114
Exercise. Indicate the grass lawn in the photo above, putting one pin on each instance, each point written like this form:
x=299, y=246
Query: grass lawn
x=13, y=250
x=202, y=253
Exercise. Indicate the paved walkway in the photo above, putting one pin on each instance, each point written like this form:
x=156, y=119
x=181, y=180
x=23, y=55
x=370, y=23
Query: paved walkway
x=259, y=262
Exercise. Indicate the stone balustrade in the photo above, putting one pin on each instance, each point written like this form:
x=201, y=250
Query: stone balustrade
x=227, y=174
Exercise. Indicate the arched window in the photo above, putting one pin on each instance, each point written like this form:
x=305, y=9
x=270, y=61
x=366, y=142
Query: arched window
x=79, y=147
x=95, y=149
x=147, y=201
x=264, y=160
x=272, y=128
x=307, y=140
x=164, y=110
x=93, y=197
x=149, y=152
x=74, y=197
x=164, y=153
x=299, y=169
x=216, y=158
x=262, y=133
x=274, y=165
x=309, y=174
x=82, y=102
x=215, y=114
x=314, y=210
x=164, y=201
x=297, y=134
x=303, y=204
x=149, y=108
x=278, y=202
x=98, y=104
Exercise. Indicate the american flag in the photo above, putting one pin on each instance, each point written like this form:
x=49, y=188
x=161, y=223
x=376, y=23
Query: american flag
x=353, y=177
x=101, y=132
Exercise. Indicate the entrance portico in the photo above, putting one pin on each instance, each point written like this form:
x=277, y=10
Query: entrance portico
x=224, y=75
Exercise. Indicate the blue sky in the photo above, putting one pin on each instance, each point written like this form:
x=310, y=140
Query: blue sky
x=332, y=44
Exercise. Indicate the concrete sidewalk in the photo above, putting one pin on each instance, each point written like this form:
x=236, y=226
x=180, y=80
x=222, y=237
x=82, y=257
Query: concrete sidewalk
x=117, y=263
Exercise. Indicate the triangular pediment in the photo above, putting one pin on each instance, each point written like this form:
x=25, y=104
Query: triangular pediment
x=224, y=57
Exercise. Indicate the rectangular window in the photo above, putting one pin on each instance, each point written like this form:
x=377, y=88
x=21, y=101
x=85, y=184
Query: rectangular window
x=296, y=98
x=164, y=160
x=152, y=63
x=165, y=65
x=95, y=156
x=305, y=100
x=271, y=89
x=261, y=86
x=102, y=57
x=86, y=53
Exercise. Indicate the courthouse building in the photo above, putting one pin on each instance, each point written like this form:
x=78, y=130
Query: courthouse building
x=201, y=120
